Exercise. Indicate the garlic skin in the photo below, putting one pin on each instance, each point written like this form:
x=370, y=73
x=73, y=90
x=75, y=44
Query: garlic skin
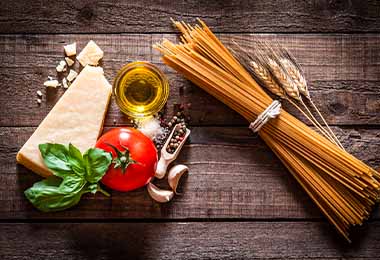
x=158, y=194
x=175, y=174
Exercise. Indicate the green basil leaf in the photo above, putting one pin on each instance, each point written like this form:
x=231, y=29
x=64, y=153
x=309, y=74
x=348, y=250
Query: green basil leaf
x=56, y=158
x=72, y=183
x=46, y=196
x=97, y=162
x=92, y=187
x=76, y=160
x=74, y=175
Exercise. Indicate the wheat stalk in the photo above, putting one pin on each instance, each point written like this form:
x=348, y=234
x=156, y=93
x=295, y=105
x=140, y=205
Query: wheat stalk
x=267, y=80
x=265, y=67
x=299, y=80
x=293, y=91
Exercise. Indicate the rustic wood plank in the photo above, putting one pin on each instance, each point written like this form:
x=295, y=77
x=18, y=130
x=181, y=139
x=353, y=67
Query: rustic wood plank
x=343, y=72
x=187, y=240
x=232, y=175
x=151, y=16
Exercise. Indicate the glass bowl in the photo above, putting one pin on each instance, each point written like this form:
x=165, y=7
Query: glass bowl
x=140, y=89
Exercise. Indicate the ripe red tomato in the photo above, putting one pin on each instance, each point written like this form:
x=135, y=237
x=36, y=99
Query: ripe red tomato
x=134, y=156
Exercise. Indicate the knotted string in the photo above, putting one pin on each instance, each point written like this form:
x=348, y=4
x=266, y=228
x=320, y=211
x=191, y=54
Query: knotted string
x=272, y=111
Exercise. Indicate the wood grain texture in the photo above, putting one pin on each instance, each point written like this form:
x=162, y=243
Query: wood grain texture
x=233, y=175
x=148, y=16
x=184, y=240
x=343, y=73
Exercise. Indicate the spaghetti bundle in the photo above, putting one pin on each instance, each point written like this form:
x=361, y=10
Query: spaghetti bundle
x=343, y=187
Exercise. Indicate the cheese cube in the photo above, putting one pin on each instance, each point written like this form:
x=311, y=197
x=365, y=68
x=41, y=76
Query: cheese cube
x=69, y=61
x=52, y=83
x=90, y=55
x=70, y=49
x=64, y=83
x=72, y=75
x=61, y=66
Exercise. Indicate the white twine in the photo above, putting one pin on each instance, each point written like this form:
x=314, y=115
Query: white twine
x=272, y=111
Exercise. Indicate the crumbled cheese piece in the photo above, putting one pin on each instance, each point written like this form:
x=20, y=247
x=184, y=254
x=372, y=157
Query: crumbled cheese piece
x=39, y=100
x=39, y=93
x=69, y=61
x=72, y=75
x=70, y=49
x=150, y=127
x=64, y=83
x=91, y=54
x=61, y=66
x=50, y=78
x=53, y=83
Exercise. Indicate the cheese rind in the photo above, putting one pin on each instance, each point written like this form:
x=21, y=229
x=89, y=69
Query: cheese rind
x=90, y=55
x=77, y=118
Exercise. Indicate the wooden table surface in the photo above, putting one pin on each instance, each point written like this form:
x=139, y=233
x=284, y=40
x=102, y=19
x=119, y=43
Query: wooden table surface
x=239, y=201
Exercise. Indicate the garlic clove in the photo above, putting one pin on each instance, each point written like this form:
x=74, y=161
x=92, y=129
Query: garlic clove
x=175, y=174
x=158, y=194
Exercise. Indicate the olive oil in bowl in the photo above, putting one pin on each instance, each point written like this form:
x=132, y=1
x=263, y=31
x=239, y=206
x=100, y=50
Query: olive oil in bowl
x=140, y=89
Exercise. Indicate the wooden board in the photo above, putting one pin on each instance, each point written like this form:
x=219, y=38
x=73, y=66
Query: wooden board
x=345, y=91
x=238, y=201
x=72, y=16
x=233, y=175
x=185, y=240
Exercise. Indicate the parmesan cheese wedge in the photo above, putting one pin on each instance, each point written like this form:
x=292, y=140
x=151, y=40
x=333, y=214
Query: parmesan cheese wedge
x=77, y=118
x=90, y=55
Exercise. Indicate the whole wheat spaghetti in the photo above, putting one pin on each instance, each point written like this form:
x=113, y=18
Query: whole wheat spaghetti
x=343, y=187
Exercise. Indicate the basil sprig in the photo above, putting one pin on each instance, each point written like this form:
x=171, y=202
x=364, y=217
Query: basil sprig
x=74, y=175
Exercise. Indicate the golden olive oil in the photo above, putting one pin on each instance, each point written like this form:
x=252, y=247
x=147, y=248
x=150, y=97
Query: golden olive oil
x=141, y=89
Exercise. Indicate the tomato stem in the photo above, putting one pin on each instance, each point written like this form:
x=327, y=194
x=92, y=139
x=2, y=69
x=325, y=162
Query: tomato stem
x=123, y=158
